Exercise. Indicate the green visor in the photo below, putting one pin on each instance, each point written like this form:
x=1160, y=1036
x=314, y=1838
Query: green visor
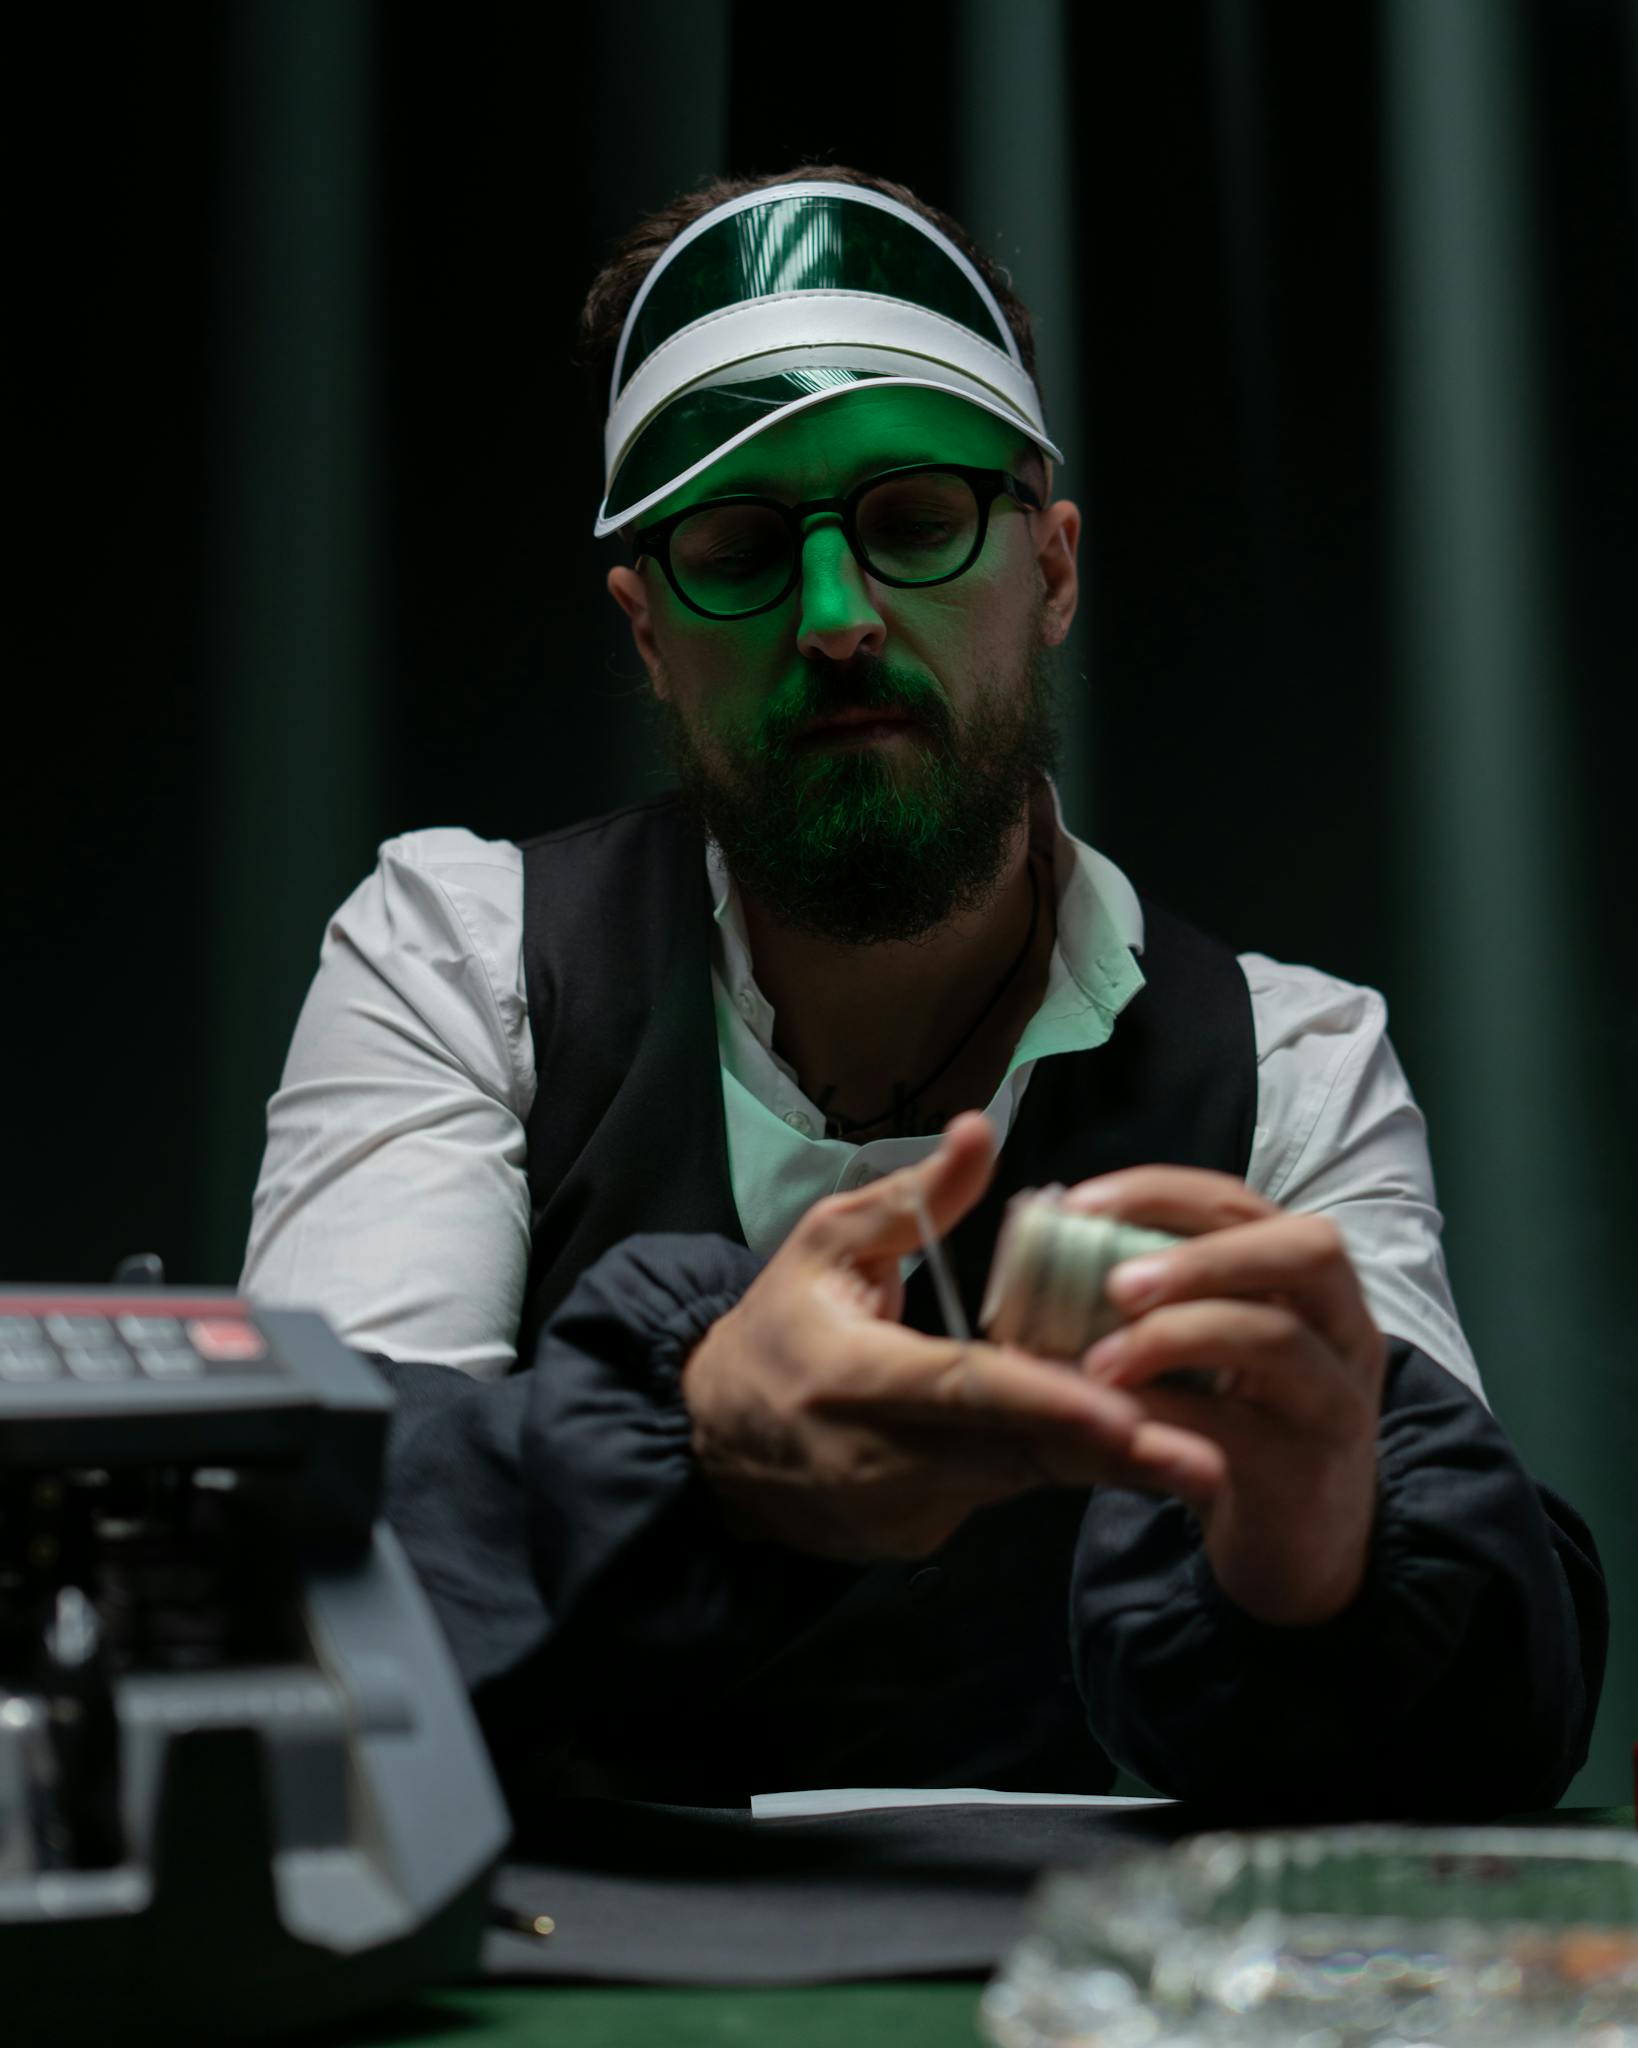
x=780, y=300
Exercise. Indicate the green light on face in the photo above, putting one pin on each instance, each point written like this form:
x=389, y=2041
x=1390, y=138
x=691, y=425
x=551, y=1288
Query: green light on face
x=732, y=559
x=875, y=840
x=916, y=529
x=861, y=838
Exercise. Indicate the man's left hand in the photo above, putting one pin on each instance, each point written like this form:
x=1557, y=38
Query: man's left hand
x=1279, y=1463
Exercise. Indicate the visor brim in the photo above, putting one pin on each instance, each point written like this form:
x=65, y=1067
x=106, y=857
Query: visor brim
x=700, y=427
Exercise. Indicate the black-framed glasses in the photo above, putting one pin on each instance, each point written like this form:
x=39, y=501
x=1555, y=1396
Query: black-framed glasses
x=735, y=556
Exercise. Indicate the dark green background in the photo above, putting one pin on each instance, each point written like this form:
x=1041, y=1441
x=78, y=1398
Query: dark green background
x=1338, y=319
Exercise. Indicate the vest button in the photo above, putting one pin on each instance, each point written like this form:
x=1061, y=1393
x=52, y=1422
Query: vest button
x=799, y=1122
x=926, y=1583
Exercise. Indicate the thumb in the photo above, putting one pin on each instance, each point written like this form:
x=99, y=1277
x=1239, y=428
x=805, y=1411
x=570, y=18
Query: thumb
x=883, y=1221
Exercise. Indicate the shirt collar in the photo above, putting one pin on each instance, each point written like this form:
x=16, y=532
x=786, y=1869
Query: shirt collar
x=1100, y=924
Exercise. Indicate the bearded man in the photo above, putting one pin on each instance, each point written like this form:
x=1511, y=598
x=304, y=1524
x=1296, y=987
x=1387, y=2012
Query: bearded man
x=613, y=1149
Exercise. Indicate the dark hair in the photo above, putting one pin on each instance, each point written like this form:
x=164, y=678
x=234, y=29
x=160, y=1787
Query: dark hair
x=635, y=254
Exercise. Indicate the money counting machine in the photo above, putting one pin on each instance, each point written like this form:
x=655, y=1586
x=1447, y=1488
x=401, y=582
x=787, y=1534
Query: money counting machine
x=242, y=1791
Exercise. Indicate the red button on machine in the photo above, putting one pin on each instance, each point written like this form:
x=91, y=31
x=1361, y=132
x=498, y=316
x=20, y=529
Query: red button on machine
x=225, y=1337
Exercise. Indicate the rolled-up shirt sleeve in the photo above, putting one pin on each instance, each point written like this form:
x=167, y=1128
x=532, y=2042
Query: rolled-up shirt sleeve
x=393, y=1194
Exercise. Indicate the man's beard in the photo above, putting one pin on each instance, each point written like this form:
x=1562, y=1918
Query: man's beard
x=879, y=841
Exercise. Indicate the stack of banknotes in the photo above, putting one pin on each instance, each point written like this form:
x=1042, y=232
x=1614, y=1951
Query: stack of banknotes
x=1045, y=1290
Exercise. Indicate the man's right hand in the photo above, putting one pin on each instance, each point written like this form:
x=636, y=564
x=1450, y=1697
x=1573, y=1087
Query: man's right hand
x=824, y=1424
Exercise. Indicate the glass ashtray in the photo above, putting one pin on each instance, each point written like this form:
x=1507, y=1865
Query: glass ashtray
x=1362, y=1937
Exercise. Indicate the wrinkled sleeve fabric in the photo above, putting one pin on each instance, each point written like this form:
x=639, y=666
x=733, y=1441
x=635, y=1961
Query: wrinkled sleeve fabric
x=559, y=1522
x=393, y=1194
x=1461, y=1682
x=1339, y=1134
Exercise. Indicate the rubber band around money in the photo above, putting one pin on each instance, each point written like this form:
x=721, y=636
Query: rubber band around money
x=949, y=1301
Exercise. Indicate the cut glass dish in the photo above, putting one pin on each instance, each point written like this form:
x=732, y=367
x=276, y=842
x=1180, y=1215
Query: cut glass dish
x=1366, y=1937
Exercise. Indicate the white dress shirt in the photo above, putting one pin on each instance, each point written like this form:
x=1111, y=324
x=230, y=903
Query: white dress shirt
x=393, y=1194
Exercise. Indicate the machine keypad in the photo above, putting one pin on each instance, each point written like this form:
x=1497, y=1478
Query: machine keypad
x=102, y=1349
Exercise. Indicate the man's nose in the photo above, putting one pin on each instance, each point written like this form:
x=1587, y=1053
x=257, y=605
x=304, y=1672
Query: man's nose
x=838, y=616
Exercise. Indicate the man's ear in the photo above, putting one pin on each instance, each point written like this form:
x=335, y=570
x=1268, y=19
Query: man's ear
x=1058, y=531
x=627, y=589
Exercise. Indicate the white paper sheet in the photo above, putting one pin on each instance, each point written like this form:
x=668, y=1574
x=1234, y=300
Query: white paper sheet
x=871, y=1798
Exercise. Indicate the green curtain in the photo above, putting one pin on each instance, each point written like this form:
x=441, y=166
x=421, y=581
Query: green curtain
x=1013, y=81
x=293, y=800
x=1504, y=982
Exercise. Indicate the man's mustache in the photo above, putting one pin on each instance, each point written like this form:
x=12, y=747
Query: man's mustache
x=866, y=687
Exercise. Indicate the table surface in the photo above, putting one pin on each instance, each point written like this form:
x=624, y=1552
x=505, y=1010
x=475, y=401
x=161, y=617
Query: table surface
x=929, y=2013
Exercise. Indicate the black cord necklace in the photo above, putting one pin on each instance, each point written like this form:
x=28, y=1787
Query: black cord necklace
x=843, y=1126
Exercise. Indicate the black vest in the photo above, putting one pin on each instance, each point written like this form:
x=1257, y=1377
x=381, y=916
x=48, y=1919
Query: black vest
x=961, y=1676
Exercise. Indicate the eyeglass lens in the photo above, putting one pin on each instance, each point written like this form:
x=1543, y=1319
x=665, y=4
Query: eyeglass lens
x=734, y=558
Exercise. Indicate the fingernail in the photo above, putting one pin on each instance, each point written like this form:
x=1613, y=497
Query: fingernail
x=1132, y=1279
x=1106, y=1353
